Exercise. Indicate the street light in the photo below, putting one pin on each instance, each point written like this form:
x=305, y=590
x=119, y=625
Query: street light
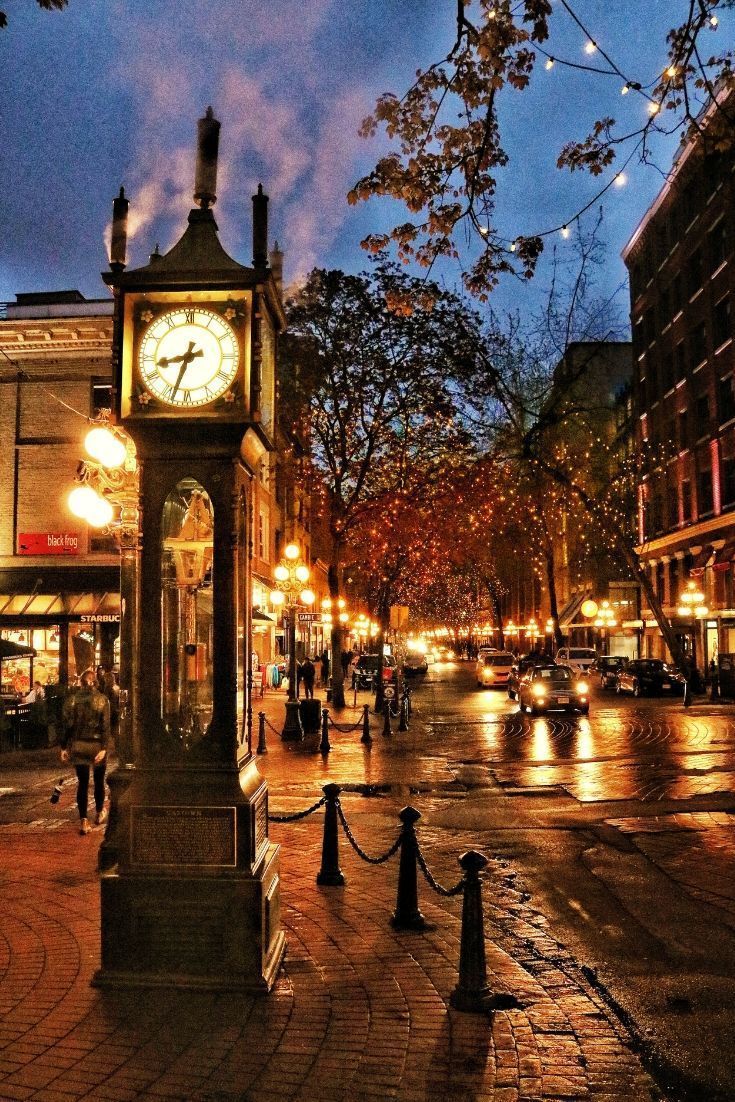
x=605, y=620
x=692, y=606
x=291, y=575
x=105, y=495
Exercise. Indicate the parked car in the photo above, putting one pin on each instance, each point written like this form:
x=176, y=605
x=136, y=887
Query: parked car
x=557, y=688
x=579, y=658
x=649, y=675
x=492, y=670
x=415, y=663
x=521, y=667
x=366, y=669
x=607, y=667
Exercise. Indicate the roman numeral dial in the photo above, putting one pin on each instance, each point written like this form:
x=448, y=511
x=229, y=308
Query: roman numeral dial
x=188, y=357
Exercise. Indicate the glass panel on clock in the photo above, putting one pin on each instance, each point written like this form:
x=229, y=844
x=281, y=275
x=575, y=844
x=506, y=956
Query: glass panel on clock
x=186, y=612
x=243, y=633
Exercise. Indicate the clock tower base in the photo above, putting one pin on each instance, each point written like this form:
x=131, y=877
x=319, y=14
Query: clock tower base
x=195, y=899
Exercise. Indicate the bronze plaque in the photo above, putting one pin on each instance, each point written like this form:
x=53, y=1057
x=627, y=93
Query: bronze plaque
x=261, y=826
x=204, y=837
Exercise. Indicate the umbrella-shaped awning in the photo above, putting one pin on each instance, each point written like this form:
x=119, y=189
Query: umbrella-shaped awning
x=8, y=649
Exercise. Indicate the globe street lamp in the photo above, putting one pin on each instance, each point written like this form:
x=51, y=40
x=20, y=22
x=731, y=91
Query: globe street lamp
x=291, y=576
x=692, y=607
x=106, y=496
x=605, y=620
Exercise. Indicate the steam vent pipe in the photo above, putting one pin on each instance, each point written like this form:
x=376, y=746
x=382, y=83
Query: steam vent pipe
x=260, y=229
x=205, y=183
x=119, y=239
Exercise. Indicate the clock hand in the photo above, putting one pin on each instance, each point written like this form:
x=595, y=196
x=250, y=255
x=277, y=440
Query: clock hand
x=185, y=359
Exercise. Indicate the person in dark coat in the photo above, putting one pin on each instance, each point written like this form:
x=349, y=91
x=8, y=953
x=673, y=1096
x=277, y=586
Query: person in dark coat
x=308, y=673
x=325, y=667
x=84, y=742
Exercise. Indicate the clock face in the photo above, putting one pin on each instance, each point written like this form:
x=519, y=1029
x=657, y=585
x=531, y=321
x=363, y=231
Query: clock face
x=188, y=357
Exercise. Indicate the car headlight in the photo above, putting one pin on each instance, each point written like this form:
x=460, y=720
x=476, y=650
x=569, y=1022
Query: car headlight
x=488, y=674
x=583, y=687
x=538, y=690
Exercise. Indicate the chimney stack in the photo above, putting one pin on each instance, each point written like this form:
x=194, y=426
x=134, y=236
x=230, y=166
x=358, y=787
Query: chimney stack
x=205, y=182
x=260, y=229
x=276, y=260
x=119, y=240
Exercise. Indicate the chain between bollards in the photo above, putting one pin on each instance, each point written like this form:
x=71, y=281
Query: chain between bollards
x=262, y=748
x=324, y=746
x=330, y=873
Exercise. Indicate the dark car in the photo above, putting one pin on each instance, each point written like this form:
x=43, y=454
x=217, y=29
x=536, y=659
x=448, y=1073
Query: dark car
x=521, y=667
x=607, y=667
x=415, y=663
x=553, y=688
x=366, y=670
x=649, y=675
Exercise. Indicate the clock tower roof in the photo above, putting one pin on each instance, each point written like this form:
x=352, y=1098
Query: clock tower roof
x=197, y=255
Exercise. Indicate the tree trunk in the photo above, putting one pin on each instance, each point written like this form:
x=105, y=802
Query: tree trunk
x=337, y=633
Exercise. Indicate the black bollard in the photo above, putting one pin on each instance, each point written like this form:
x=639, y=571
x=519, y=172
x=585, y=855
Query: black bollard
x=261, y=748
x=715, y=687
x=407, y=915
x=366, y=736
x=403, y=721
x=386, y=720
x=330, y=873
x=324, y=746
x=687, y=695
x=472, y=992
x=409, y=705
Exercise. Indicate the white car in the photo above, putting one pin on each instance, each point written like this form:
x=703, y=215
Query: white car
x=493, y=668
x=579, y=658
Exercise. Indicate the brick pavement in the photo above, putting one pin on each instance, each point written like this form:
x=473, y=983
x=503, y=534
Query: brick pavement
x=360, y=1011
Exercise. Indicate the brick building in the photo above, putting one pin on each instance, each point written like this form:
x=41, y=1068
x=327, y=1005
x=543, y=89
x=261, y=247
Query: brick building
x=59, y=579
x=680, y=261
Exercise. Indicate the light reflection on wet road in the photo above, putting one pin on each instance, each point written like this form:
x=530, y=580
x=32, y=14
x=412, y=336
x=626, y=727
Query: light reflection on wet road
x=649, y=749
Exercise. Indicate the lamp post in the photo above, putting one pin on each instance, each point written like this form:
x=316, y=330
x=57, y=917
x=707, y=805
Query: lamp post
x=692, y=608
x=106, y=496
x=605, y=620
x=291, y=576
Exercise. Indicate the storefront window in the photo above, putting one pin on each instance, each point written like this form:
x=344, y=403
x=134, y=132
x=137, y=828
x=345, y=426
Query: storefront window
x=18, y=672
x=186, y=610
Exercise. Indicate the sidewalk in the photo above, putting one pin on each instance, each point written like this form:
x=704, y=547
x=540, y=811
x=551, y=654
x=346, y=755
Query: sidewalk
x=360, y=1011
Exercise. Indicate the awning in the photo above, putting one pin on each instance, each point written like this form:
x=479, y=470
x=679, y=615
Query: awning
x=258, y=615
x=8, y=649
x=724, y=556
x=700, y=561
x=571, y=608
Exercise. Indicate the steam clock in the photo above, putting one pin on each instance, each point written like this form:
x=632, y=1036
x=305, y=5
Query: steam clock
x=192, y=898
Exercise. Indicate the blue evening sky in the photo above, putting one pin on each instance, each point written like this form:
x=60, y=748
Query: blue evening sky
x=108, y=93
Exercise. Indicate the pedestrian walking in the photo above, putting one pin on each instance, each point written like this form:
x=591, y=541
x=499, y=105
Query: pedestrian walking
x=346, y=659
x=308, y=673
x=325, y=667
x=84, y=741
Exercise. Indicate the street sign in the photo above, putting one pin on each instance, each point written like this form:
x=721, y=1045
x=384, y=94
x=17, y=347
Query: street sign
x=309, y=617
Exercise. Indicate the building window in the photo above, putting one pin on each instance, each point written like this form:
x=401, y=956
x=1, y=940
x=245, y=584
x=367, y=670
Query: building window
x=697, y=345
x=673, y=507
x=686, y=500
x=726, y=399
x=718, y=244
x=664, y=308
x=683, y=419
x=262, y=536
x=101, y=395
x=667, y=372
x=649, y=322
x=721, y=322
x=727, y=468
x=681, y=361
x=702, y=413
x=694, y=272
x=705, y=503
x=677, y=293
